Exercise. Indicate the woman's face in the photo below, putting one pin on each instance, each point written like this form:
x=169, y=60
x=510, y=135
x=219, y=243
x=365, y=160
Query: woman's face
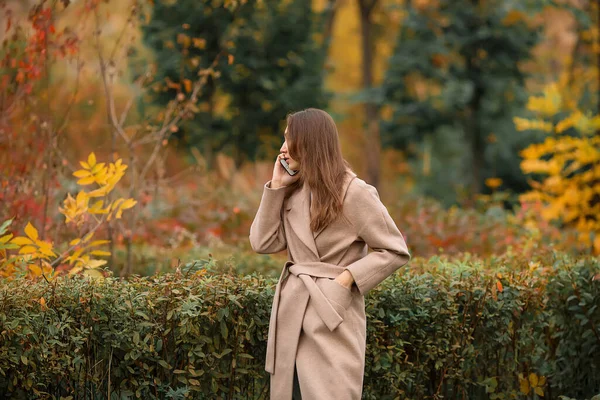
x=295, y=165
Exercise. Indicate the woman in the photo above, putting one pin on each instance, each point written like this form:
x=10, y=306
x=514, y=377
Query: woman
x=325, y=216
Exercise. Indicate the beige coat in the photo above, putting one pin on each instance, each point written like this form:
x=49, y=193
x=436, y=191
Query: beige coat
x=317, y=324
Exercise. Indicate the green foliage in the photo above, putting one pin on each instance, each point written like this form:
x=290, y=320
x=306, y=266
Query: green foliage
x=453, y=84
x=148, y=338
x=273, y=66
x=456, y=328
x=441, y=328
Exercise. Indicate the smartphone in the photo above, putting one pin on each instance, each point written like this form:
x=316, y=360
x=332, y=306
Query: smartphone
x=287, y=167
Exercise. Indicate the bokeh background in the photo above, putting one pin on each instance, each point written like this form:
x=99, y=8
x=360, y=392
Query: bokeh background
x=477, y=121
x=136, y=137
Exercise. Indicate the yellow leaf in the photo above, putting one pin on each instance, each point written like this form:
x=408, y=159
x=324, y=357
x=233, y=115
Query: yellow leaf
x=533, y=379
x=91, y=160
x=93, y=273
x=31, y=232
x=522, y=124
x=5, y=238
x=99, y=242
x=27, y=250
x=95, y=263
x=47, y=252
x=75, y=270
x=74, y=242
x=115, y=204
x=99, y=192
x=86, y=181
x=84, y=164
x=98, y=204
x=43, y=302
x=98, y=210
x=88, y=236
x=82, y=173
x=549, y=103
x=524, y=383
x=35, y=270
x=43, y=243
x=47, y=268
x=82, y=199
x=21, y=240
x=98, y=169
x=128, y=204
x=100, y=253
x=565, y=124
x=493, y=183
x=73, y=257
x=542, y=381
x=539, y=391
x=75, y=209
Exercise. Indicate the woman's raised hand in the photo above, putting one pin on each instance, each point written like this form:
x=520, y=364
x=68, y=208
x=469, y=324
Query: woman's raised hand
x=280, y=175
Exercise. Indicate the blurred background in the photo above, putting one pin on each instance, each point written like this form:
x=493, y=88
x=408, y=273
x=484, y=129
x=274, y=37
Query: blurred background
x=477, y=121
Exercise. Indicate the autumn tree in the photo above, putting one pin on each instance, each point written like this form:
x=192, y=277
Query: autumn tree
x=42, y=62
x=273, y=67
x=366, y=10
x=453, y=84
x=564, y=168
x=32, y=125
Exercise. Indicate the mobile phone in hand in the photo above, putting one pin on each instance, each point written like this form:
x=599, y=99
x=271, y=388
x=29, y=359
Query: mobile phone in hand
x=287, y=167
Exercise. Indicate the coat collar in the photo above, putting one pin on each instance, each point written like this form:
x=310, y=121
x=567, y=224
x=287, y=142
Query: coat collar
x=298, y=206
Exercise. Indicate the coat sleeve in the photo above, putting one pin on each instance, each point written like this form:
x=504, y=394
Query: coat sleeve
x=266, y=232
x=377, y=229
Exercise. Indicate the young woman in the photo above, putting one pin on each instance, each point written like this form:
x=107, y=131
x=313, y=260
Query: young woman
x=326, y=217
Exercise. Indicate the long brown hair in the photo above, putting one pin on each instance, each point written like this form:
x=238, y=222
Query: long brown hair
x=314, y=142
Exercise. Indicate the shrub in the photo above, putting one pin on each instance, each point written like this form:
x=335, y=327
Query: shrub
x=462, y=328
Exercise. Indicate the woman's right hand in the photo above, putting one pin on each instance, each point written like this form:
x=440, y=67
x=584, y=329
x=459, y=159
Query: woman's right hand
x=280, y=175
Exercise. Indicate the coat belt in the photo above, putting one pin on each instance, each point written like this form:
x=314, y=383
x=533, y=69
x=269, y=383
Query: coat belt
x=305, y=271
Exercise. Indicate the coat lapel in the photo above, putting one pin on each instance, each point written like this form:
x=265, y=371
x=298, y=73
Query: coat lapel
x=298, y=206
x=299, y=218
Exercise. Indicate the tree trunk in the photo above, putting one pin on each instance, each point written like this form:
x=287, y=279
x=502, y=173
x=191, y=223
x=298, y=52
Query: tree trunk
x=113, y=152
x=372, y=139
x=474, y=135
x=598, y=60
x=331, y=9
x=477, y=151
x=472, y=127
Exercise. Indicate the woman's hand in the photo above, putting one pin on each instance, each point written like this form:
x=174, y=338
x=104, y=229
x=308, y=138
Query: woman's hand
x=280, y=175
x=345, y=279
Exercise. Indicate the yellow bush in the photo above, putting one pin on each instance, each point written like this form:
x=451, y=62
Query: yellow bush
x=36, y=257
x=568, y=163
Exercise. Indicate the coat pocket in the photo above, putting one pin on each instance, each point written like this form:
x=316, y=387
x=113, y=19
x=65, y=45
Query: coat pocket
x=336, y=292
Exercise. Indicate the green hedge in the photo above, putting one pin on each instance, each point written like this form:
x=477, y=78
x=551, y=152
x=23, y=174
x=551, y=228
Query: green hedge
x=441, y=329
